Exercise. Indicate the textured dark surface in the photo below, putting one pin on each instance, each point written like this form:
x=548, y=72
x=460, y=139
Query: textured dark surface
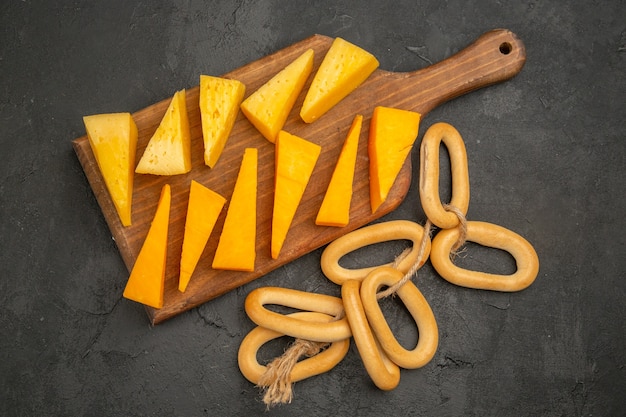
x=546, y=155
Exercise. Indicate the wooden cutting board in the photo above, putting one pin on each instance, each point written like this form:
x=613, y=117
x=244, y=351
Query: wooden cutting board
x=494, y=57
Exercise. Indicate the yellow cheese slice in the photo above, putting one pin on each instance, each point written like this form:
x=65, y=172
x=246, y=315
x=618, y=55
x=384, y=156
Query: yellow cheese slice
x=147, y=278
x=113, y=140
x=219, y=105
x=236, y=249
x=168, y=151
x=391, y=137
x=203, y=209
x=269, y=106
x=295, y=161
x=335, y=208
x=344, y=68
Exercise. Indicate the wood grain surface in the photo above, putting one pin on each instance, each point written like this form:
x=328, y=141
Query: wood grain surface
x=494, y=57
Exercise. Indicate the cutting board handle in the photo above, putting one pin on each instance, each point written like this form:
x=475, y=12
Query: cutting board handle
x=496, y=56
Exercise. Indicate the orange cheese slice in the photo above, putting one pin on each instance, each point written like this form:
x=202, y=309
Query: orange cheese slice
x=236, y=249
x=295, y=160
x=391, y=137
x=219, y=105
x=204, y=207
x=344, y=68
x=335, y=208
x=147, y=278
x=168, y=151
x=113, y=140
x=269, y=106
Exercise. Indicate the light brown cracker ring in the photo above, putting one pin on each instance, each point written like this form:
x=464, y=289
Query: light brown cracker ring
x=324, y=361
x=418, y=308
x=429, y=175
x=368, y=235
x=384, y=373
x=293, y=326
x=493, y=236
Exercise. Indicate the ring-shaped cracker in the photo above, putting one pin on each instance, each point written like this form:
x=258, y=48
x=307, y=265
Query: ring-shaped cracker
x=429, y=175
x=368, y=235
x=324, y=361
x=490, y=235
x=417, y=306
x=293, y=326
x=383, y=371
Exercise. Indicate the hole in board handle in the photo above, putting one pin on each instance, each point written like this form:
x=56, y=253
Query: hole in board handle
x=505, y=48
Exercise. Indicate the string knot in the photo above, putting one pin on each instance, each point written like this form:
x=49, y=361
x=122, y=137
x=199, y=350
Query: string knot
x=277, y=378
x=462, y=228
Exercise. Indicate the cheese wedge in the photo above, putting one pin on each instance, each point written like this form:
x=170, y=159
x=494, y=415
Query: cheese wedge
x=269, y=106
x=391, y=137
x=335, y=208
x=236, y=249
x=344, y=68
x=219, y=105
x=295, y=161
x=113, y=140
x=168, y=151
x=147, y=278
x=203, y=209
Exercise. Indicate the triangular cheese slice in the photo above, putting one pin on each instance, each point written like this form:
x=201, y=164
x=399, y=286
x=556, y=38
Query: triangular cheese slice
x=147, y=278
x=335, y=208
x=113, y=140
x=344, y=68
x=203, y=209
x=168, y=151
x=236, y=249
x=269, y=106
x=391, y=137
x=295, y=161
x=219, y=105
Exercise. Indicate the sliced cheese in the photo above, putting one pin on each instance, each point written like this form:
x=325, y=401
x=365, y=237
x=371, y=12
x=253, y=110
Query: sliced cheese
x=113, y=140
x=269, y=106
x=203, y=209
x=391, y=137
x=236, y=249
x=295, y=161
x=168, y=151
x=219, y=105
x=335, y=208
x=147, y=278
x=344, y=68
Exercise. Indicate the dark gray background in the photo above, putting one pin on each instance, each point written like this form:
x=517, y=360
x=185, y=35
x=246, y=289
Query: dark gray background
x=546, y=154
